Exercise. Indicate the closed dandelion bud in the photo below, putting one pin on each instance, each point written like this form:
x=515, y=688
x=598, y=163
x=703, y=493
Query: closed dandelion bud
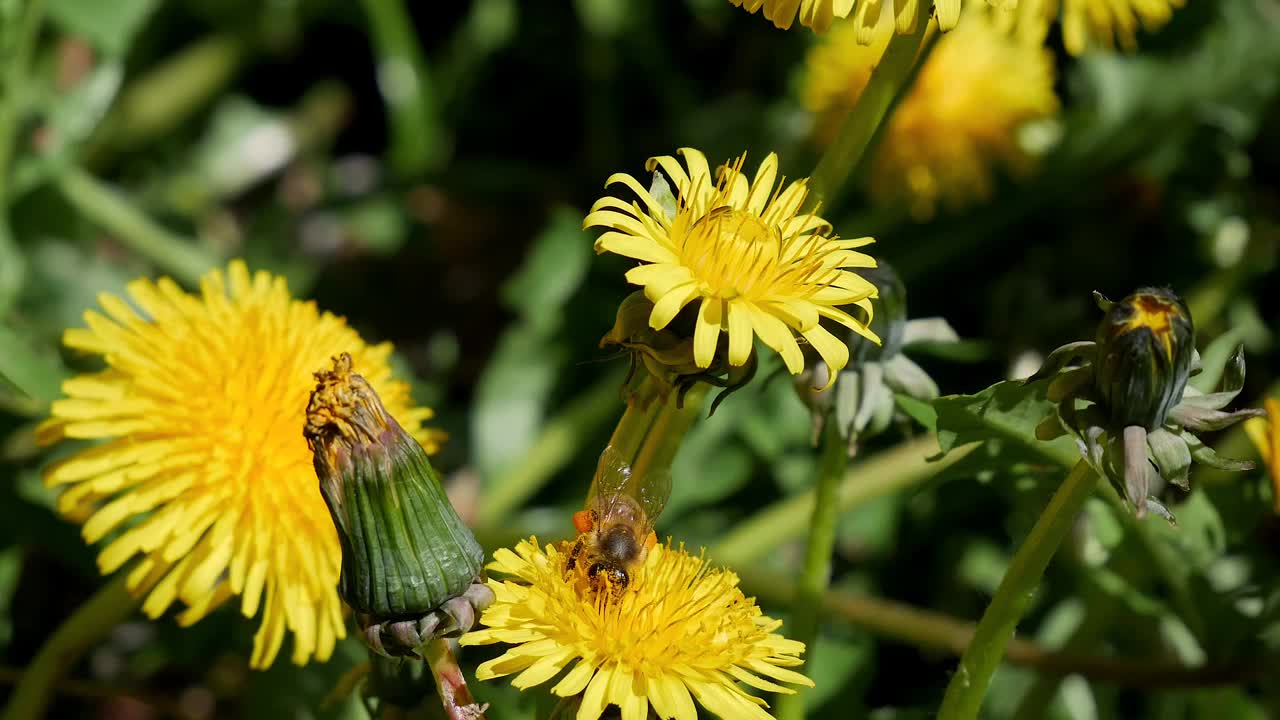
x=889, y=321
x=405, y=551
x=1145, y=344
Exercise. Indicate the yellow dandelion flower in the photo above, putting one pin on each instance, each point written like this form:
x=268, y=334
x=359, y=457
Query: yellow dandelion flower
x=679, y=632
x=960, y=120
x=1265, y=434
x=867, y=14
x=1088, y=24
x=744, y=251
x=203, y=471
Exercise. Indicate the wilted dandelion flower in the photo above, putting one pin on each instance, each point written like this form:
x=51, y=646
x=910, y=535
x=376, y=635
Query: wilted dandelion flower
x=203, y=471
x=960, y=120
x=745, y=252
x=1265, y=434
x=681, y=631
x=1090, y=24
x=819, y=14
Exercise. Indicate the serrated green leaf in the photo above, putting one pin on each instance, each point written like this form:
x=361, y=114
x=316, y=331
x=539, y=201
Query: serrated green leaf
x=1008, y=411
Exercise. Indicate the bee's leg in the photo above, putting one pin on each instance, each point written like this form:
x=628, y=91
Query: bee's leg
x=650, y=540
x=573, y=555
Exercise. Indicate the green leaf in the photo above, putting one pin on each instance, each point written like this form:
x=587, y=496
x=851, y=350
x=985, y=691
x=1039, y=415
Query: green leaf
x=38, y=377
x=918, y=410
x=1007, y=411
x=109, y=26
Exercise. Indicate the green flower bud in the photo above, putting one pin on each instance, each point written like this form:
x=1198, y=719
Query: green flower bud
x=1145, y=344
x=405, y=551
x=889, y=322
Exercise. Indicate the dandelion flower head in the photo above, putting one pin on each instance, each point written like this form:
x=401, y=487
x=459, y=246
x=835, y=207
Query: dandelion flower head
x=743, y=251
x=820, y=14
x=679, y=632
x=960, y=121
x=1091, y=24
x=202, y=469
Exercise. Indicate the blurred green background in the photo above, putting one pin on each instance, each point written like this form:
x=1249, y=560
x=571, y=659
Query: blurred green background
x=423, y=169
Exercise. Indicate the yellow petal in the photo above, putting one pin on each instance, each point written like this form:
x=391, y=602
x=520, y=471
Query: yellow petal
x=740, y=334
x=668, y=306
x=706, y=332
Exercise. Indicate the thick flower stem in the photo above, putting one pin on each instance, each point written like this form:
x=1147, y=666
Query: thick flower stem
x=91, y=622
x=968, y=686
x=888, y=81
x=654, y=424
x=816, y=576
x=451, y=684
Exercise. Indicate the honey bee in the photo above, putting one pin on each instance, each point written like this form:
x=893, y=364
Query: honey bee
x=615, y=528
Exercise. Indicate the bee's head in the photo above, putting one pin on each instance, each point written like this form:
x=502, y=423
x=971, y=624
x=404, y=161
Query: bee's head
x=612, y=575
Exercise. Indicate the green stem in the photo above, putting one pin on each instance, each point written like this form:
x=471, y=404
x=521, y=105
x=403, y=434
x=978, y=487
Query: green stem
x=19, y=42
x=417, y=134
x=559, y=441
x=451, y=684
x=91, y=622
x=816, y=576
x=880, y=474
x=110, y=209
x=888, y=81
x=968, y=686
x=643, y=404
x=668, y=430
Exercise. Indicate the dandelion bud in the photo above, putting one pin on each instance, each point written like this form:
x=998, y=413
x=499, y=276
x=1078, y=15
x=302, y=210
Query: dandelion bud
x=1144, y=347
x=406, y=555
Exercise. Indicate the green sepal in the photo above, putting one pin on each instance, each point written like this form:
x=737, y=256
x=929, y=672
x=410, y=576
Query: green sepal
x=405, y=551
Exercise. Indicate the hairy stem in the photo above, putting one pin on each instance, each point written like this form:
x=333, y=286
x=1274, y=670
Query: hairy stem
x=816, y=576
x=451, y=684
x=969, y=685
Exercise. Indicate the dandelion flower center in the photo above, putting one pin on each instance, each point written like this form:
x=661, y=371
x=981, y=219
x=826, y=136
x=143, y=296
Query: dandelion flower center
x=680, y=631
x=745, y=255
x=733, y=252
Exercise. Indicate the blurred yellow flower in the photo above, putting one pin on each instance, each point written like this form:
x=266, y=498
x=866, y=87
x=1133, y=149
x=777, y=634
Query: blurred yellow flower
x=959, y=121
x=680, y=631
x=745, y=252
x=203, y=470
x=1088, y=24
x=1265, y=434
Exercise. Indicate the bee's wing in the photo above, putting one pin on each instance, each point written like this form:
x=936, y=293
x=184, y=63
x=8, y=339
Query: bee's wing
x=651, y=489
x=615, y=483
x=613, y=477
